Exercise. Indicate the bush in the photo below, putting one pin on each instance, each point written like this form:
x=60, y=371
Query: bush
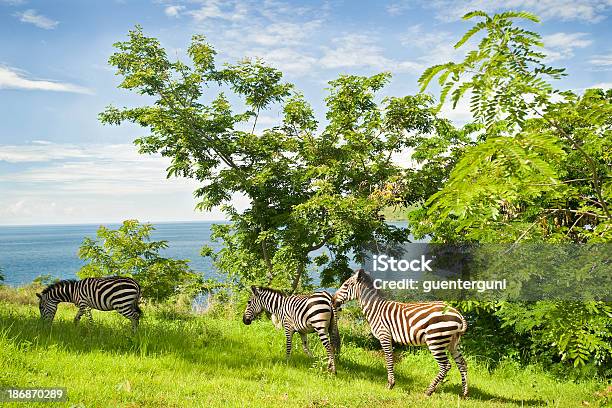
x=24, y=295
x=558, y=335
x=129, y=251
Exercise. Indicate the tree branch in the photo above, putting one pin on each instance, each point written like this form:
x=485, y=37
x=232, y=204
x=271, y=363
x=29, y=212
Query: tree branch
x=589, y=159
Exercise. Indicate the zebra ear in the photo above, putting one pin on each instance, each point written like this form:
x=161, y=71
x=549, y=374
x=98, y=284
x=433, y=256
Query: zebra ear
x=360, y=275
x=254, y=290
x=39, y=295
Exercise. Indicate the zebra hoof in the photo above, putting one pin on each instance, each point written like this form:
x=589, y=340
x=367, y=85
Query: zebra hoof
x=428, y=393
x=390, y=385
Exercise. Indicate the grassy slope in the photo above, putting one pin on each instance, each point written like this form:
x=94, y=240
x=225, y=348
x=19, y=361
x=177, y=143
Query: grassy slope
x=214, y=361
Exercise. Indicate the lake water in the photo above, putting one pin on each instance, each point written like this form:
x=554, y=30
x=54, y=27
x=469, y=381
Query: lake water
x=30, y=251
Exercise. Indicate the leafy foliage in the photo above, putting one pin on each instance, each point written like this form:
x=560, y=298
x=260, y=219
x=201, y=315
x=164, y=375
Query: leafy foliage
x=45, y=279
x=586, y=336
x=128, y=251
x=542, y=164
x=539, y=170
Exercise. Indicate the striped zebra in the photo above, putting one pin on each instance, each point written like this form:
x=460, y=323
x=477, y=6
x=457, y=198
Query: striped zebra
x=433, y=324
x=109, y=293
x=298, y=313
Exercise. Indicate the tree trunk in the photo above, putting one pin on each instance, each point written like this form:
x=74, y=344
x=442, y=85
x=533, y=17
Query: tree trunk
x=298, y=275
x=264, y=249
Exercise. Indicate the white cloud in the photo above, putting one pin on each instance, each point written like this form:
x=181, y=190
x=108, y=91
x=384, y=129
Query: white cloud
x=361, y=51
x=560, y=46
x=601, y=60
x=397, y=8
x=602, y=85
x=32, y=16
x=591, y=11
x=288, y=60
x=435, y=46
x=28, y=207
x=174, y=11
x=439, y=45
x=280, y=33
x=90, y=169
x=11, y=78
x=99, y=176
x=51, y=207
x=461, y=114
x=221, y=10
x=61, y=183
x=99, y=183
x=39, y=152
x=418, y=37
x=283, y=33
x=567, y=40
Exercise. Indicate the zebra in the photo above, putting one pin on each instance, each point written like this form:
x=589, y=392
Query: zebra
x=433, y=324
x=108, y=293
x=298, y=313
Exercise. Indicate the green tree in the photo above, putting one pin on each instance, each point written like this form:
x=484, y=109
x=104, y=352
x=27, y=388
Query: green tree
x=128, y=251
x=542, y=165
x=538, y=170
x=309, y=186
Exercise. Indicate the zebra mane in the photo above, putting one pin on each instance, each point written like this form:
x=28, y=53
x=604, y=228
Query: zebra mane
x=366, y=279
x=57, y=284
x=266, y=289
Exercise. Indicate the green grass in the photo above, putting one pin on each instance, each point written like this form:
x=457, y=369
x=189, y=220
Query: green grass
x=212, y=361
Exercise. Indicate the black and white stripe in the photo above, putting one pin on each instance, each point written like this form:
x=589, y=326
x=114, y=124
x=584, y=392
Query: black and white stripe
x=110, y=293
x=433, y=324
x=298, y=313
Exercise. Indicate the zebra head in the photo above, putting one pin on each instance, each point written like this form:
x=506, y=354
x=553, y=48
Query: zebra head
x=47, y=306
x=348, y=290
x=254, y=306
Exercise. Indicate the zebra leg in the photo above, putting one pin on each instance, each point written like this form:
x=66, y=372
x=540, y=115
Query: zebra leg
x=331, y=363
x=387, y=346
x=89, y=315
x=130, y=312
x=135, y=322
x=137, y=316
x=305, y=345
x=289, y=336
x=80, y=313
x=462, y=366
x=439, y=353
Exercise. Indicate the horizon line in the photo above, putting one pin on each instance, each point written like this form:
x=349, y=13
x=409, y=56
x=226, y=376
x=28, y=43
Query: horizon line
x=111, y=223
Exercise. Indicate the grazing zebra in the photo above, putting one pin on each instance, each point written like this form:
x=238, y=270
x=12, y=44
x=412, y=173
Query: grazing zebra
x=433, y=324
x=298, y=313
x=110, y=293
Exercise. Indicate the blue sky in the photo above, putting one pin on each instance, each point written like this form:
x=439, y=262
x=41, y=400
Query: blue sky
x=59, y=165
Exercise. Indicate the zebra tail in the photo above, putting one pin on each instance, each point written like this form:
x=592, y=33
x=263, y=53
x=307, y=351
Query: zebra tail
x=334, y=334
x=138, y=309
x=454, y=341
x=465, y=325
